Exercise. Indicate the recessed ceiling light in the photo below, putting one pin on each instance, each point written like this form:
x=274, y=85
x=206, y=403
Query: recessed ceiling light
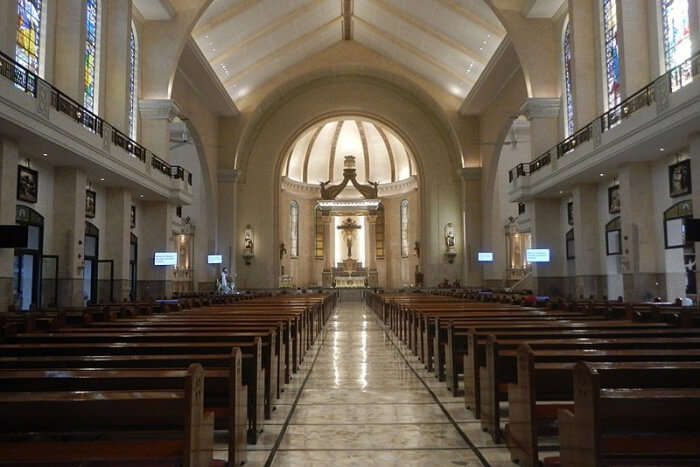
x=561, y=192
x=481, y=48
x=662, y=149
x=102, y=179
x=141, y=196
x=602, y=174
x=45, y=155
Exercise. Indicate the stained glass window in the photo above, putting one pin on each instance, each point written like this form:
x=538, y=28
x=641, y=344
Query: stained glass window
x=133, y=63
x=677, y=43
x=91, y=52
x=612, y=53
x=294, y=229
x=318, y=244
x=29, y=16
x=568, y=94
x=404, y=228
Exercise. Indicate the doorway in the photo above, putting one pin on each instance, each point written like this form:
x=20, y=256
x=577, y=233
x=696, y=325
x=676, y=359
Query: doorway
x=133, y=261
x=91, y=272
x=26, y=278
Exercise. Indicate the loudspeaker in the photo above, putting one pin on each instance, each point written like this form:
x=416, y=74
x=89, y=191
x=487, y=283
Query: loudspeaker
x=14, y=236
x=691, y=230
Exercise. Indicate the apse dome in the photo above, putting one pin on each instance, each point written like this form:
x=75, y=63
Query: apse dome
x=318, y=154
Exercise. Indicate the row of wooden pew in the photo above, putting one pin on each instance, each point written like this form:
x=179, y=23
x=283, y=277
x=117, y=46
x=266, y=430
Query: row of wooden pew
x=615, y=390
x=152, y=382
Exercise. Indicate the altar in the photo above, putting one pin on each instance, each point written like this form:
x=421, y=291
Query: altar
x=349, y=282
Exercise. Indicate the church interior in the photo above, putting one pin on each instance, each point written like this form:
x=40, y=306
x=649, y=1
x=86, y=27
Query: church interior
x=349, y=232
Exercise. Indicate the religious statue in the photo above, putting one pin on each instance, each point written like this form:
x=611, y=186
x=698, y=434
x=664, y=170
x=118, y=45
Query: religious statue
x=449, y=237
x=224, y=285
x=416, y=248
x=248, y=246
x=283, y=251
x=349, y=227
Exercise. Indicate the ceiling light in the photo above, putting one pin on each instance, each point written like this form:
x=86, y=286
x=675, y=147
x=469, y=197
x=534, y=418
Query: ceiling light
x=561, y=192
x=141, y=196
x=481, y=48
x=45, y=155
x=102, y=179
x=602, y=174
x=662, y=149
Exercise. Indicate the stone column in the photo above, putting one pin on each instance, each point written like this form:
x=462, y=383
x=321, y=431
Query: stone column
x=117, y=246
x=327, y=253
x=115, y=53
x=634, y=46
x=545, y=217
x=70, y=48
x=9, y=154
x=69, y=233
x=156, y=115
x=156, y=281
x=227, y=241
x=583, y=23
x=8, y=27
x=587, y=241
x=373, y=276
x=640, y=270
x=695, y=175
x=471, y=219
x=543, y=115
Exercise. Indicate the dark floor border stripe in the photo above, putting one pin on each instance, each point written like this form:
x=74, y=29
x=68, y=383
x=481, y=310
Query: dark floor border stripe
x=278, y=441
x=464, y=436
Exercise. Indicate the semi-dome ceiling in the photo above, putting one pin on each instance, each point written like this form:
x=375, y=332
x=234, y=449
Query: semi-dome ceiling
x=317, y=155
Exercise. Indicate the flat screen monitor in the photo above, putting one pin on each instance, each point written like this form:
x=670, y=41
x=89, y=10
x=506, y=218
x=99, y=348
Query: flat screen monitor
x=484, y=256
x=14, y=236
x=215, y=259
x=165, y=258
x=537, y=255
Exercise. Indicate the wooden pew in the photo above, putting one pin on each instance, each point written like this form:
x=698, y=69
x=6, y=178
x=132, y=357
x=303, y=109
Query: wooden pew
x=117, y=414
x=544, y=388
x=630, y=426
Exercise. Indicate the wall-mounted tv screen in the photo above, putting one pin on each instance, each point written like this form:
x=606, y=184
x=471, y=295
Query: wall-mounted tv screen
x=484, y=256
x=537, y=255
x=165, y=258
x=215, y=259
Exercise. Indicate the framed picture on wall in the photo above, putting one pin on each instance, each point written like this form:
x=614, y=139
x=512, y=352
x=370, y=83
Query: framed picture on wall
x=679, y=183
x=570, y=212
x=27, y=184
x=133, y=216
x=90, y=201
x=614, y=199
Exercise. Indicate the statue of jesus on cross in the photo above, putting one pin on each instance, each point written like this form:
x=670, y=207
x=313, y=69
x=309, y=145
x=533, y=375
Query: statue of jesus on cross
x=349, y=227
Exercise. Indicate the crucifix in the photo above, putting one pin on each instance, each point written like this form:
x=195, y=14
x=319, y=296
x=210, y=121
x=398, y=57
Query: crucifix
x=348, y=227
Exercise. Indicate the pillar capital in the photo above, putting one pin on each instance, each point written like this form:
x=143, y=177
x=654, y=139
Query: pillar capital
x=541, y=107
x=157, y=109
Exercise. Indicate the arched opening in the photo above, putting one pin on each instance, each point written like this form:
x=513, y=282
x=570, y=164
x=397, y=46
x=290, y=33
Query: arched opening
x=26, y=280
x=353, y=182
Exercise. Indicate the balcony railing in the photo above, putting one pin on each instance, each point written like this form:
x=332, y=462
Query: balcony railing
x=27, y=82
x=673, y=80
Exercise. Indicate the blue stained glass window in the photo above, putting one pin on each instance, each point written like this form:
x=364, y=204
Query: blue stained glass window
x=568, y=93
x=612, y=53
x=677, y=43
x=29, y=16
x=133, y=60
x=91, y=51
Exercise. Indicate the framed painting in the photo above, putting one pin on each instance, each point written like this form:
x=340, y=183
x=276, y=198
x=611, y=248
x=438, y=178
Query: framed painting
x=679, y=182
x=90, y=202
x=614, y=199
x=27, y=184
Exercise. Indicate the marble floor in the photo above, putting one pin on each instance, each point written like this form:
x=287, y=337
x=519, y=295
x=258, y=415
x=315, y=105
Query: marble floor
x=361, y=400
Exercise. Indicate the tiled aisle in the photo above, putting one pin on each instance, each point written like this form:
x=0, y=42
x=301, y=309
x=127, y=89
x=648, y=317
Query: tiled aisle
x=362, y=405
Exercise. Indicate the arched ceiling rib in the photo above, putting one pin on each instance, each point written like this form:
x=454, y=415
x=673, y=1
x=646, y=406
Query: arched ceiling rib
x=248, y=42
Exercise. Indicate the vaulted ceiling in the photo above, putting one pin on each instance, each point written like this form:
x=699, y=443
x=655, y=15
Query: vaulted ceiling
x=248, y=42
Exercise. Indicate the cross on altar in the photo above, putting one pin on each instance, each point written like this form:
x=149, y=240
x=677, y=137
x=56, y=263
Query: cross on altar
x=348, y=227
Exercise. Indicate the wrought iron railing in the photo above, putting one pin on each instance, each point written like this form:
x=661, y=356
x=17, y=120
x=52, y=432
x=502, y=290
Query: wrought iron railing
x=672, y=80
x=27, y=82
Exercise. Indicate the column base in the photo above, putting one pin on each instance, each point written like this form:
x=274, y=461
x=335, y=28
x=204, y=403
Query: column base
x=327, y=278
x=373, y=278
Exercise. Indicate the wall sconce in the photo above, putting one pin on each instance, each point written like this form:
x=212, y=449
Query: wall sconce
x=248, y=245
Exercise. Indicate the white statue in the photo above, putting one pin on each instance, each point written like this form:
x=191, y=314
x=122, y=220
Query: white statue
x=224, y=285
x=449, y=238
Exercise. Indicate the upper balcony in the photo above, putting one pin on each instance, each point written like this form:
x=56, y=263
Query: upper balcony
x=44, y=120
x=658, y=117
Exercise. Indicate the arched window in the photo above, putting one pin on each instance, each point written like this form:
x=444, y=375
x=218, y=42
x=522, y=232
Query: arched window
x=611, y=46
x=92, y=54
x=293, y=229
x=133, y=82
x=404, y=228
x=676, y=36
x=29, y=31
x=568, y=91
